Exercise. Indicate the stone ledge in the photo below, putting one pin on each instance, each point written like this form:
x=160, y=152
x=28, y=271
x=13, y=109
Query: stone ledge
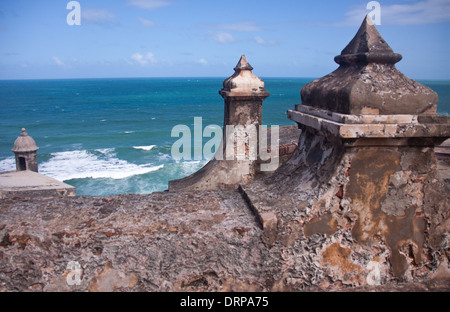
x=372, y=126
x=29, y=184
x=355, y=119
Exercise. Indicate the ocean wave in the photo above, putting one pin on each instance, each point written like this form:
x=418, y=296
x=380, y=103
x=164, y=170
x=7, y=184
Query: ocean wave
x=187, y=167
x=145, y=148
x=164, y=157
x=81, y=164
x=106, y=151
x=8, y=164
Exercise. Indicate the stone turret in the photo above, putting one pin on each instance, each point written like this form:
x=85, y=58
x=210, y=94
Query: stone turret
x=243, y=95
x=244, y=85
x=25, y=151
x=368, y=97
x=360, y=197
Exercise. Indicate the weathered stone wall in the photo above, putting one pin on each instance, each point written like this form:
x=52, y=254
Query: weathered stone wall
x=159, y=242
x=306, y=227
x=356, y=216
x=202, y=241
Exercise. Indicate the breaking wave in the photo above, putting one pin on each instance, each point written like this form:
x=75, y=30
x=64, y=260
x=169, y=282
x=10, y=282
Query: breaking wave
x=8, y=164
x=102, y=163
x=145, y=148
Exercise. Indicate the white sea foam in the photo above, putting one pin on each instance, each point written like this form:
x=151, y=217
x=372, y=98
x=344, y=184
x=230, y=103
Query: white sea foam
x=145, y=148
x=81, y=164
x=106, y=151
x=8, y=164
x=191, y=166
x=164, y=157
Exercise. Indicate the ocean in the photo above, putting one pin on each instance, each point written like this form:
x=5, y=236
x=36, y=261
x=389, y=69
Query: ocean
x=113, y=136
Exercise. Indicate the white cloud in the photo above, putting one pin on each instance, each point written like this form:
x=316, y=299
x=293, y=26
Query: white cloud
x=418, y=13
x=146, y=22
x=144, y=59
x=223, y=37
x=245, y=26
x=202, y=61
x=58, y=61
x=149, y=4
x=259, y=40
x=97, y=16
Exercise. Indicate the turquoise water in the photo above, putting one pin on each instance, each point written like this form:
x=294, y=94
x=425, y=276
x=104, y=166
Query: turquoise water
x=111, y=136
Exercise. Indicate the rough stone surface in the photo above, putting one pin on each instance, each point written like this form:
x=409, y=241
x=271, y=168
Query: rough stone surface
x=187, y=241
x=443, y=159
x=159, y=242
x=359, y=212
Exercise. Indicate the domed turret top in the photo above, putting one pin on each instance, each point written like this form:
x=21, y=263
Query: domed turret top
x=24, y=143
x=243, y=81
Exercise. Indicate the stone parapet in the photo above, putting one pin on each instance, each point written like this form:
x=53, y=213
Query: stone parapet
x=347, y=126
x=28, y=184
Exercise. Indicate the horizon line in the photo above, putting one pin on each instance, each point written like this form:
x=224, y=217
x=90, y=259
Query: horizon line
x=189, y=77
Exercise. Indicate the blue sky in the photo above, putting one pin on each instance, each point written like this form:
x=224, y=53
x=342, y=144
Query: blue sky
x=205, y=38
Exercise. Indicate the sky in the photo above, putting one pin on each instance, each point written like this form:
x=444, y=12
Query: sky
x=205, y=38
